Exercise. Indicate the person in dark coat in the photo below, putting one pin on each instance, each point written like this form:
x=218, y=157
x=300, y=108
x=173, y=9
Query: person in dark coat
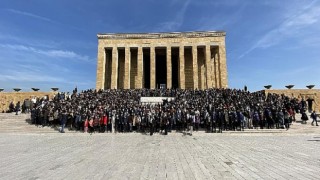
x=314, y=118
x=17, y=107
x=63, y=120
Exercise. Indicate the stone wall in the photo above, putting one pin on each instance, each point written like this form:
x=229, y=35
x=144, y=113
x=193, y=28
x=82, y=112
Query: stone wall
x=7, y=97
x=300, y=93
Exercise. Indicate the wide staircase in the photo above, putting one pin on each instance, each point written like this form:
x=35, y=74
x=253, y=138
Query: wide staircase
x=11, y=123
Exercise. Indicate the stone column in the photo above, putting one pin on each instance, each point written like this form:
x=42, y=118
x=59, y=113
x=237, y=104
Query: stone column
x=182, y=81
x=101, y=61
x=195, y=67
x=217, y=70
x=208, y=67
x=223, y=66
x=152, y=68
x=127, y=68
x=114, y=75
x=169, y=68
x=214, y=69
x=139, y=69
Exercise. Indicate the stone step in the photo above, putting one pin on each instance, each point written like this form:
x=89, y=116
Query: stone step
x=11, y=123
x=258, y=131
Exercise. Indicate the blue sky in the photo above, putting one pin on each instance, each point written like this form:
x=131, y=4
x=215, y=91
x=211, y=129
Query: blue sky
x=53, y=43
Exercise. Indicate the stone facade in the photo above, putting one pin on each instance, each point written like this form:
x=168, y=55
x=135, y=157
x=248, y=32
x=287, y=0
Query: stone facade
x=7, y=97
x=300, y=93
x=186, y=60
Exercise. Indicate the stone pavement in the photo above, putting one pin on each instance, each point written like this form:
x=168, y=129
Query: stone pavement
x=138, y=156
x=32, y=154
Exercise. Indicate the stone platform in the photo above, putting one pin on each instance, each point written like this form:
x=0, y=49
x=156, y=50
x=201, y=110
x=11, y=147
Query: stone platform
x=28, y=152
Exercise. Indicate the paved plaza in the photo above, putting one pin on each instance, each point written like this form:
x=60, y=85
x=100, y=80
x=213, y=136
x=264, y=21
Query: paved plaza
x=176, y=156
x=29, y=152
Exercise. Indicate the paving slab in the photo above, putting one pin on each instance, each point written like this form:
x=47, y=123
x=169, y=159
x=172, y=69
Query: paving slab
x=137, y=156
x=30, y=152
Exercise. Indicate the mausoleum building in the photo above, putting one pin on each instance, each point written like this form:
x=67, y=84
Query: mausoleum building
x=186, y=60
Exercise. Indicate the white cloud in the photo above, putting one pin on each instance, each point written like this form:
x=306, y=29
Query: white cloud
x=176, y=21
x=29, y=41
x=299, y=20
x=42, y=18
x=51, y=53
x=30, y=15
x=29, y=77
x=65, y=54
x=232, y=17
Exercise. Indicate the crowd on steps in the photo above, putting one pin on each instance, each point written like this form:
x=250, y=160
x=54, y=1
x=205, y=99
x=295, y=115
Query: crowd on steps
x=211, y=110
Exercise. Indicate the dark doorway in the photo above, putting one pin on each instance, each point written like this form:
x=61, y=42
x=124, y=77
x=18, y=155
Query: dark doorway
x=175, y=67
x=133, y=67
x=121, y=68
x=108, y=68
x=146, y=68
x=161, y=67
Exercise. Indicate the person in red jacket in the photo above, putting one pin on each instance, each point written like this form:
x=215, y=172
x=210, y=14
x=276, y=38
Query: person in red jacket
x=86, y=124
x=103, y=123
x=90, y=125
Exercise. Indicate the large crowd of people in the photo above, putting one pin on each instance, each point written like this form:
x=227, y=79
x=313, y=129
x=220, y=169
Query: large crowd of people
x=211, y=110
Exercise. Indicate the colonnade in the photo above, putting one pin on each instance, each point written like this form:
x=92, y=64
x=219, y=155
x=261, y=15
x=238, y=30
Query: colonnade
x=184, y=66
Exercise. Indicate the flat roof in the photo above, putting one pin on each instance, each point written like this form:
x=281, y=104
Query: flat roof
x=191, y=34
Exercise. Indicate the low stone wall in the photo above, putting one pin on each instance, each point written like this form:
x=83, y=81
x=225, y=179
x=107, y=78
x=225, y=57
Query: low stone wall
x=7, y=97
x=300, y=93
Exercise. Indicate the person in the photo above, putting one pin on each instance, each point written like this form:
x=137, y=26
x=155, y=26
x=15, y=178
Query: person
x=11, y=107
x=190, y=123
x=86, y=125
x=256, y=119
x=196, y=118
x=286, y=119
x=91, y=126
x=303, y=104
x=314, y=118
x=103, y=123
x=113, y=121
x=304, y=116
x=280, y=119
x=17, y=107
x=310, y=104
x=63, y=121
x=27, y=105
x=45, y=113
x=151, y=125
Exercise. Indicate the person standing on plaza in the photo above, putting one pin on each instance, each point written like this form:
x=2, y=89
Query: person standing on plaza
x=303, y=105
x=190, y=122
x=103, y=123
x=86, y=125
x=256, y=119
x=304, y=116
x=209, y=120
x=63, y=120
x=151, y=125
x=314, y=118
x=286, y=119
x=17, y=107
x=310, y=102
x=113, y=121
x=196, y=118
